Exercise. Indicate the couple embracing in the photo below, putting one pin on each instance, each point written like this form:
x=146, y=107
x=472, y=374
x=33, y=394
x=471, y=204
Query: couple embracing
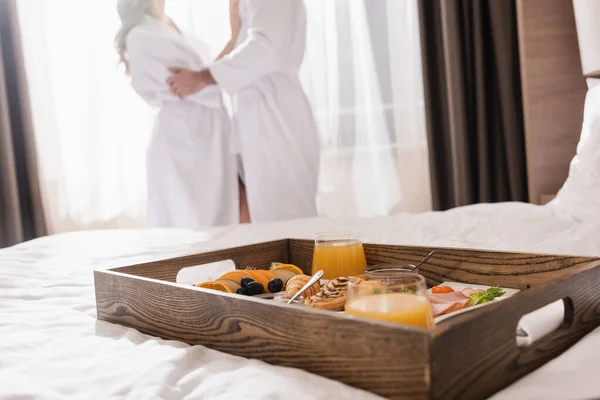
x=205, y=167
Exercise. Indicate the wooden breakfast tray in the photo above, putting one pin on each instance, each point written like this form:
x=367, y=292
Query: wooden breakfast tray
x=469, y=356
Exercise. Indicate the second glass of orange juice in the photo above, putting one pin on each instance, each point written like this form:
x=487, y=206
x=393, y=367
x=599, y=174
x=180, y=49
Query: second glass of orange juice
x=339, y=253
x=392, y=296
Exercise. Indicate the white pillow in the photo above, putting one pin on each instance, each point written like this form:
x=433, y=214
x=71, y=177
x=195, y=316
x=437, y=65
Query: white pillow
x=580, y=195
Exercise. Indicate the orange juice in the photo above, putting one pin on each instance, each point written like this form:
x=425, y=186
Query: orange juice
x=401, y=308
x=339, y=258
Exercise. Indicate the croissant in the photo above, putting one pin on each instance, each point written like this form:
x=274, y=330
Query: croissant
x=295, y=283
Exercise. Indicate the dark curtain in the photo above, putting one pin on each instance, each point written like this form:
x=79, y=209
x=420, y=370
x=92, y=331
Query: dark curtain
x=21, y=214
x=473, y=101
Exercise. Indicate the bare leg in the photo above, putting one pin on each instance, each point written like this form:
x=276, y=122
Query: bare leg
x=244, y=211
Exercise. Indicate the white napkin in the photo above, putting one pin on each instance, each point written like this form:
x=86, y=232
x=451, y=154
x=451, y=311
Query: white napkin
x=205, y=272
x=539, y=323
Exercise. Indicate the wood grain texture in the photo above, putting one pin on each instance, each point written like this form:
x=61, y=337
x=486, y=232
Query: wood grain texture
x=259, y=256
x=470, y=356
x=553, y=90
x=515, y=270
x=472, y=363
x=385, y=359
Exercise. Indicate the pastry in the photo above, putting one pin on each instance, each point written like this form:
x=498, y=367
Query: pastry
x=327, y=300
x=297, y=282
x=333, y=295
x=341, y=284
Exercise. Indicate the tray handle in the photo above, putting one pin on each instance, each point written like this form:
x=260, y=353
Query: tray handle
x=544, y=321
x=476, y=354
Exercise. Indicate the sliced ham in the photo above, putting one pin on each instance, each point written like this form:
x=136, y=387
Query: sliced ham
x=445, y=303
x=447, y=298
x=441, y=309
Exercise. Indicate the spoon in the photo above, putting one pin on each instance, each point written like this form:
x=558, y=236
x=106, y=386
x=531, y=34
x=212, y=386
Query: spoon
x=423, y=260
x=311, y=282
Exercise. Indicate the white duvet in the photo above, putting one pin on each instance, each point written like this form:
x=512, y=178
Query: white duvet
x=52, y=346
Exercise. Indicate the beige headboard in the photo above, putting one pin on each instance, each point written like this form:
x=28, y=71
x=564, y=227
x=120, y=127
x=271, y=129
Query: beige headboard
x=553, y=89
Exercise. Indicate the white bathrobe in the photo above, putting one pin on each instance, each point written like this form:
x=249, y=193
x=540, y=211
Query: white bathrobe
x=192, y=170
x=273, y=120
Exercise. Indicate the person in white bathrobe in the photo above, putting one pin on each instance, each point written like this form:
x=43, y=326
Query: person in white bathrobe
x=273, y=120
x=192, y=167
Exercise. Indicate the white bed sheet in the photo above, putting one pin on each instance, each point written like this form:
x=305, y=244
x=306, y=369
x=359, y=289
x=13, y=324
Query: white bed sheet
x=52, y=346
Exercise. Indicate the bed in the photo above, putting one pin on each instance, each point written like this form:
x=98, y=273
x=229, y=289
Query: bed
x=53, y=347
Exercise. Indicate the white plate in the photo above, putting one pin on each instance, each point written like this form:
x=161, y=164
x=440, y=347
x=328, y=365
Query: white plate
x=459, y=287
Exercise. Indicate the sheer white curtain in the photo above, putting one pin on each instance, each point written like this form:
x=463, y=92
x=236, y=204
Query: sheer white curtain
x=363, y=76
x=92, y=130
x=361, y=72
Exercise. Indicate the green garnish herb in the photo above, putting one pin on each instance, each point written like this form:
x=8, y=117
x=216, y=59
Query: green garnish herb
x=487, y=296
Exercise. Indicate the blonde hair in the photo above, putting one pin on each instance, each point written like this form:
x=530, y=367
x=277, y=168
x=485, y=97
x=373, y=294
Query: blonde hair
x=132, y=13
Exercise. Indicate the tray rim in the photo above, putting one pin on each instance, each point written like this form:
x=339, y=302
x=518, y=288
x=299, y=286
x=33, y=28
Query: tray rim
x=578, y=271
x=431, y=332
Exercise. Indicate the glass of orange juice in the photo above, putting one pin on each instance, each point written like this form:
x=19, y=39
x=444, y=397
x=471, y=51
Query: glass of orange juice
x=339, y=253
x=392, y=296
